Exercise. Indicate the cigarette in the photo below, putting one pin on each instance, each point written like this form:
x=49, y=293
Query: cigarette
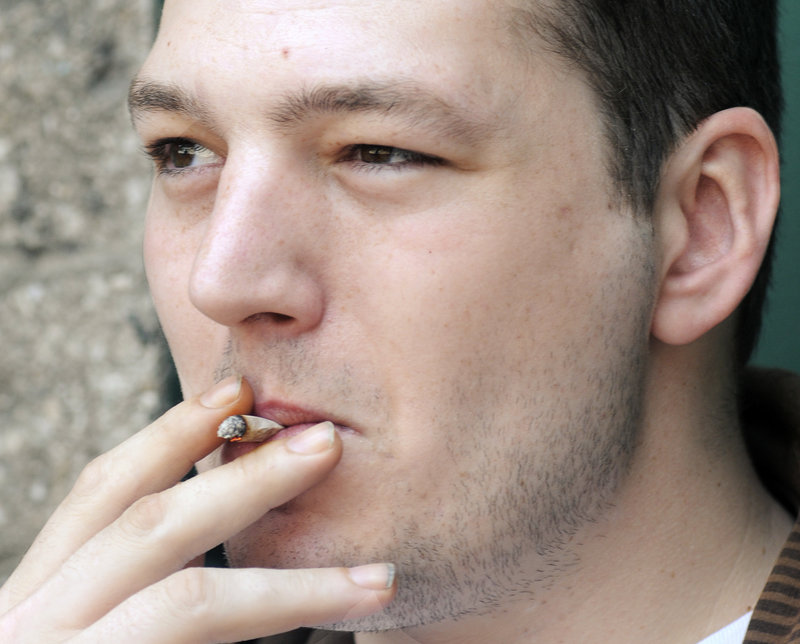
x=247, y=429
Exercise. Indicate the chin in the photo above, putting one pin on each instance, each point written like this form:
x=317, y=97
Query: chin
x=287, y=537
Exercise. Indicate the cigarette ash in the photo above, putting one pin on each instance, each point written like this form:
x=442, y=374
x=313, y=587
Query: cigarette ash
x=232, y=427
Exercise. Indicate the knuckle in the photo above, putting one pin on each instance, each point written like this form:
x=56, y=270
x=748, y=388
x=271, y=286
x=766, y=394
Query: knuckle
x=306, y=583
x=146, y=516
x=93, y=477
x=190, y=591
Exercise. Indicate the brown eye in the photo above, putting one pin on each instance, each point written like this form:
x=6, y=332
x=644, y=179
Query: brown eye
x=175, y=155
x=378, y=154
x=188, y=154
x=182, y=155
x=387, y=155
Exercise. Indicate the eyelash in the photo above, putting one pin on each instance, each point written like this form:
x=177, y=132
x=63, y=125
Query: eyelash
x=354, y=154
x=161, y=151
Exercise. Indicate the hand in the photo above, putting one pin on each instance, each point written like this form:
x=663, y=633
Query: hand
x=112, y=563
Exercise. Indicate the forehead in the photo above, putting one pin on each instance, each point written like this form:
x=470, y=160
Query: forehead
x=461, y=47
x=248, y=23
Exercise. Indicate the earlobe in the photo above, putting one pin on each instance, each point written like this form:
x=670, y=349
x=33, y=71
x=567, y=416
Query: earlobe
x=714, y=216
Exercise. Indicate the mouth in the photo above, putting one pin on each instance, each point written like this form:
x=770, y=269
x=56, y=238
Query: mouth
x=294, y=420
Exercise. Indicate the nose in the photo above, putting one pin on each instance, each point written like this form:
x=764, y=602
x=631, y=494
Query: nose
x=257, y=260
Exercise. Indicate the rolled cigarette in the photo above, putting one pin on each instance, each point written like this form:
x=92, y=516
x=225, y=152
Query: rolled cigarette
x=247, y=429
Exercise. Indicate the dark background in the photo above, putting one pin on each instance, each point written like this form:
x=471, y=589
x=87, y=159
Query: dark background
x=780, y=345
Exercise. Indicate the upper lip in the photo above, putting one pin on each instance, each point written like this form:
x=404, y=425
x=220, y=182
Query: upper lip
x=288, y=414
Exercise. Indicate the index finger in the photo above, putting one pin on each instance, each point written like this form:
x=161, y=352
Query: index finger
x=150, y=461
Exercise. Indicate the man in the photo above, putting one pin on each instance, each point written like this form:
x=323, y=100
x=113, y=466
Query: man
x=503, y=247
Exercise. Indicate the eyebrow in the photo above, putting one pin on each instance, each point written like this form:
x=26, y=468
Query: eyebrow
x=413, y=104
x=151, y=96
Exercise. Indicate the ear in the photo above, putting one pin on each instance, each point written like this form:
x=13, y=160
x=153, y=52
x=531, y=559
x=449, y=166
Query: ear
x=714, y=215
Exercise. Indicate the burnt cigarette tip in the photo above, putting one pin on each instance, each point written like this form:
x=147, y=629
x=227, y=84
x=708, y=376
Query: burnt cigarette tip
x=232, y=427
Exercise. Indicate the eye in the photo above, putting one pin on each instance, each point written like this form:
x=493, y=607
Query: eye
x=179, y=155
x=364, y=155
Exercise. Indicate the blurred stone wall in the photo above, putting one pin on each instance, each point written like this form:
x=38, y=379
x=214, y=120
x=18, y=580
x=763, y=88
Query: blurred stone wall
x=81, y=356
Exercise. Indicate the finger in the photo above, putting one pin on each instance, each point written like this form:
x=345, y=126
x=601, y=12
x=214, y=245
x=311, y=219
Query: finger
x=160, y=533
x=199, y=606
x=150, y=461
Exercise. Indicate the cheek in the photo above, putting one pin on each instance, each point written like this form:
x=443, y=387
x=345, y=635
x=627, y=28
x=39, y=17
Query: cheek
x=487, y=318
x=168, y=259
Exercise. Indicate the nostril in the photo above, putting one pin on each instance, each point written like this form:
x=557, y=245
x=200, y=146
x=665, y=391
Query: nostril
x=274, y=318
x=281, y=318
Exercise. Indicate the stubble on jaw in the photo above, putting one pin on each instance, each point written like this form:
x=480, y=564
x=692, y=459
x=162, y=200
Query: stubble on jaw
x=509, y=531
x=518, y=511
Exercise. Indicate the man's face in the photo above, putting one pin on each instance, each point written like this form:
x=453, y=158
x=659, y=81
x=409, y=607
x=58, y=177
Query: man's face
x=385, y=214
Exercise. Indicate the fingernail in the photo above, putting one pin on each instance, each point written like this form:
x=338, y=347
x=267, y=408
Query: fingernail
x=373, y=576
x=223, y=393
x=313, y=440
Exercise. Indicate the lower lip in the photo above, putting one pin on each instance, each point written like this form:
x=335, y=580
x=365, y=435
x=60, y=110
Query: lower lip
x=232, y=450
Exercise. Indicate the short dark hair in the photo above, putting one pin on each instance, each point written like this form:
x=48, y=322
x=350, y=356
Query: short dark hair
x=658, y=69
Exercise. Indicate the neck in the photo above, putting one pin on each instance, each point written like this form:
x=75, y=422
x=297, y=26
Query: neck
x=685, y=549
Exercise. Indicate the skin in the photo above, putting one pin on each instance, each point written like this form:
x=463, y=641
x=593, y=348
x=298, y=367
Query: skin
x=517, y=366
x=419, y=302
